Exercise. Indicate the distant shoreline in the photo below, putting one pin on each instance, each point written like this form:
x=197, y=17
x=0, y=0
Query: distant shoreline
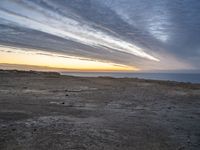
x=58, y=74
x=170, y=77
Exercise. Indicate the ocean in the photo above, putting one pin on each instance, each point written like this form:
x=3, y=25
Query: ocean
x=179, y=77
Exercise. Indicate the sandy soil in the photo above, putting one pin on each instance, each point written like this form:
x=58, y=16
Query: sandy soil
x=42, y=111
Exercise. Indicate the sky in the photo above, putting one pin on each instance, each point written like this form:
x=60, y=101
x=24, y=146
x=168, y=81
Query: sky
x=101, y=35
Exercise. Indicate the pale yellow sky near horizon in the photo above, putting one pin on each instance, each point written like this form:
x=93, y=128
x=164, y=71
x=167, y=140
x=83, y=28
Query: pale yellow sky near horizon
x=9, y=55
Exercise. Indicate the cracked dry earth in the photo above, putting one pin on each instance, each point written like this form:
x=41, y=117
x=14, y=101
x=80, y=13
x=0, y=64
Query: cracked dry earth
x=41, y=111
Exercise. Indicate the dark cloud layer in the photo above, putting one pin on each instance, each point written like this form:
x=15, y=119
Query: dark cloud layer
x=146, y=34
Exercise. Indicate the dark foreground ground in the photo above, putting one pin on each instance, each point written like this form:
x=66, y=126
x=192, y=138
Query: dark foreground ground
x=41, y=111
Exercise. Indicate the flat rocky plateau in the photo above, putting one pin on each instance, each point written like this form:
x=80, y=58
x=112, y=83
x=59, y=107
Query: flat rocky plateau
x=47, y=111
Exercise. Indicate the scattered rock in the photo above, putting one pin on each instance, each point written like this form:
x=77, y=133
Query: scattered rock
x=169, y=108
x=55, y=103
x=181, y=148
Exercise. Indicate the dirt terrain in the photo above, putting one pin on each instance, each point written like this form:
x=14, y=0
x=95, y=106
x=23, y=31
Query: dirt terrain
x=47, y=111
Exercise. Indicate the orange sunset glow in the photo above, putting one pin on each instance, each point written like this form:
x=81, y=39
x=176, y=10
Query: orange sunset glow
x=56, y=61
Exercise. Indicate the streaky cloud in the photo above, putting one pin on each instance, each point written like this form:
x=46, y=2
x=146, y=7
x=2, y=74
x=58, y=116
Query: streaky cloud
x=68, y=28
x=150, y=35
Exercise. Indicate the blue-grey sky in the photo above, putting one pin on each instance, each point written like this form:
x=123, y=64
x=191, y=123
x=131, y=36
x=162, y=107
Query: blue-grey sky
x=147, y=34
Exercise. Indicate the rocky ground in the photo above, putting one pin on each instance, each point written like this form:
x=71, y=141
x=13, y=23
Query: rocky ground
x=47, y=111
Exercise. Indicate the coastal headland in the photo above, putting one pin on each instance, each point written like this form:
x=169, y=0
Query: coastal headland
x=49, y=111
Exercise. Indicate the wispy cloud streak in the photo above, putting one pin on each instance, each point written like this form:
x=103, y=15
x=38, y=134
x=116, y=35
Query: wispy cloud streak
x=149, y=35
x=50, y=22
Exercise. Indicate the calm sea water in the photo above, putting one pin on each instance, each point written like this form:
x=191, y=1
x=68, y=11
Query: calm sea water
x=180, y=77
